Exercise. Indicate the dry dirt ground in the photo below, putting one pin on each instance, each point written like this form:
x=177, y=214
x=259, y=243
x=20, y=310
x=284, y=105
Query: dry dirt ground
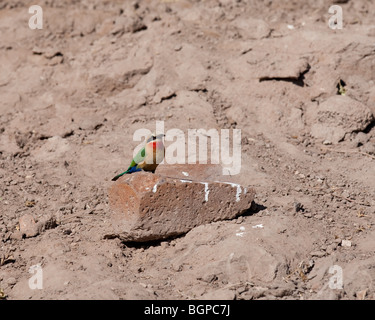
x=73, y=93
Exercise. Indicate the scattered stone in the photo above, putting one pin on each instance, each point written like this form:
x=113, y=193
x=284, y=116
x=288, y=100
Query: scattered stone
x=28, y=226
x=345, y=194
x=130, y=23
x=163, y=94
x=241, y=289
x=285, y=68
x=361, y=294
x=318, y=254
x=346, y=243
x=178, y=47
x=337, y=241
x=254, y=293
x=240, y=219
x=67, y=232
x=281, y=292
x=11, y=281
x=177, y=267
x=250, y=28
x=210, y=277
x=331, y=248
x=360, y=139
x=369, y=148
x=17, y=235
x=51, y=53
x=148, y=206
x=6, y=258
x=337, y=116
x=220, y=294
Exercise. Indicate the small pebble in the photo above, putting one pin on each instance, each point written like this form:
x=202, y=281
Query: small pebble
x=318, y=254
x=361, y=294
x=11, y=281
x=346, y=243
x=239, y=219
x=178, y=47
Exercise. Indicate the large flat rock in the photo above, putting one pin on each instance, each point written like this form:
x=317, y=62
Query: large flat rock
x=148, y=206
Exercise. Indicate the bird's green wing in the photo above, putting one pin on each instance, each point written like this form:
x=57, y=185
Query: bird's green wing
x=139, y=157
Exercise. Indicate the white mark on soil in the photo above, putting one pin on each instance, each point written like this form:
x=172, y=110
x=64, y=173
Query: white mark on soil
x=258, y=226
x=206, y=191
x=238, y=193
x=189, y=181
x=155, y=188
x=242, y=233
x=185, y=173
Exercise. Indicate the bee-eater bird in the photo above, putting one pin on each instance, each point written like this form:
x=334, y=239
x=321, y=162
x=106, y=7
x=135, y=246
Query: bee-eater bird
x=149, y=157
